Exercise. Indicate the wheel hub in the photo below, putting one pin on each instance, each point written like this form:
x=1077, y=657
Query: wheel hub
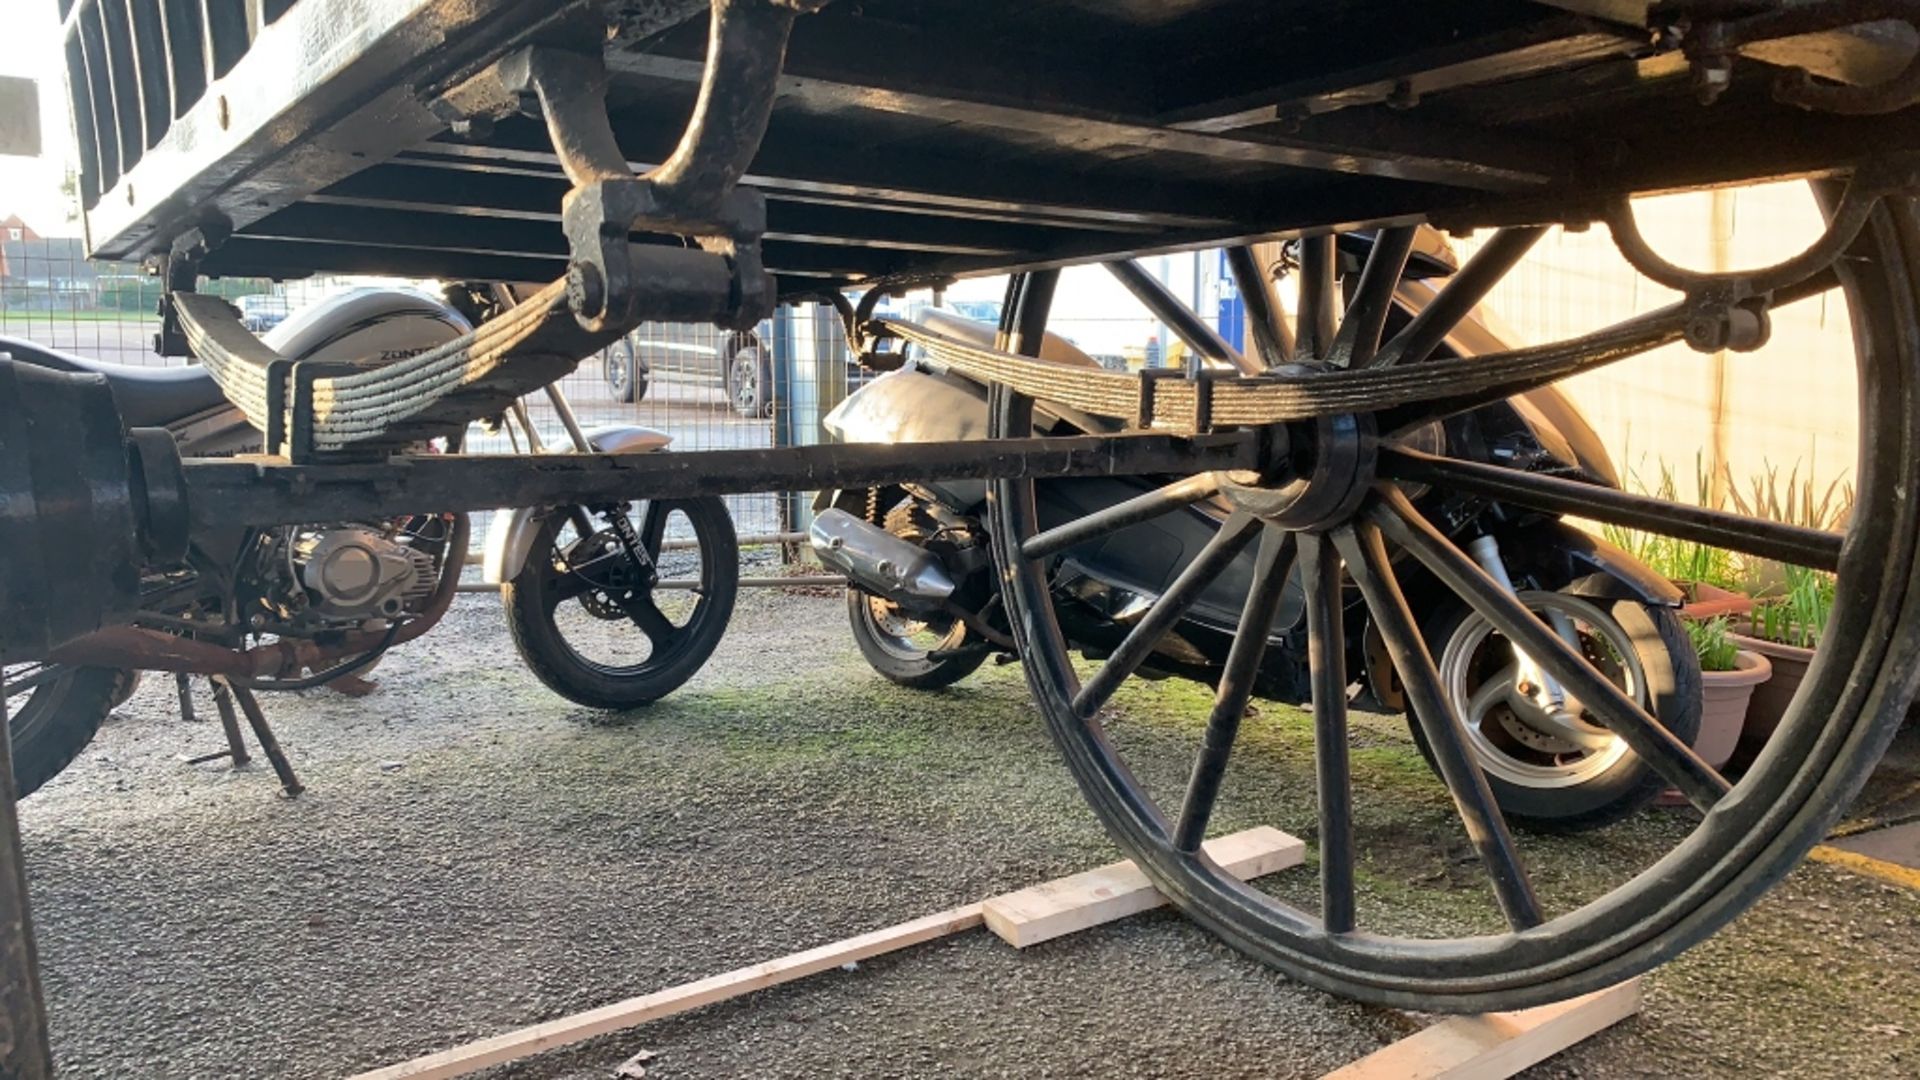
x=1322, y=470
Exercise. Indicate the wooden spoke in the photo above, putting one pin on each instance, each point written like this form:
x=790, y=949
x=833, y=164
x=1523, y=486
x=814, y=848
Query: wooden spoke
x=1359, y=337
x=1366, y=557
x=1671, y=757
x=1185, y=323
x=1318, y=295
x=1749, y=536
x=1236, y=686
x=1270, y=331
x=1143, y=507
x=1139, y=643
x=1327, y=665
x=1456, y=299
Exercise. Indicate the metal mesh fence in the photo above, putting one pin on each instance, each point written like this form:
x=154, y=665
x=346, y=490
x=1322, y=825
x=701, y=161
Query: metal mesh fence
x=677, y=379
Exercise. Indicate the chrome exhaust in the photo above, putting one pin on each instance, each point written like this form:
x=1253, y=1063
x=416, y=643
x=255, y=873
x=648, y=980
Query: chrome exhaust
x=879, y=562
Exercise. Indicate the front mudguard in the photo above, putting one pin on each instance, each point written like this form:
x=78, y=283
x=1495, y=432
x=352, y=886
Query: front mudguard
x=511, y=533
x=1591, y=567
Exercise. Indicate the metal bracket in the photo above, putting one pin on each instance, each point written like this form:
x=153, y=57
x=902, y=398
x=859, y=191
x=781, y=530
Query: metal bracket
x=1149, y=384
x=303, y=374
x=1729, y=310
x=1203, y=381
x=1725, y=315
x=1711, y=44
x=277, y=372
x=612, y=284
x=179, y=271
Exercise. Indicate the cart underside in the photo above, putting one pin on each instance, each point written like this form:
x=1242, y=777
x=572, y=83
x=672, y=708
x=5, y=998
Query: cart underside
x=918, y=139
x=653, y=163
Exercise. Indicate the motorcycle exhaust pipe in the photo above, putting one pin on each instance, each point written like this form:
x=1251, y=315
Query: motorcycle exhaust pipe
x=880, y=562
x=141, y=649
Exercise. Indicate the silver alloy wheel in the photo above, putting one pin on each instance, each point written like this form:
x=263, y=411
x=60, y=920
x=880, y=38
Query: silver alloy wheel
x=1509, y=732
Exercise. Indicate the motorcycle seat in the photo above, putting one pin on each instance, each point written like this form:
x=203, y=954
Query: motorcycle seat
x=147, y=396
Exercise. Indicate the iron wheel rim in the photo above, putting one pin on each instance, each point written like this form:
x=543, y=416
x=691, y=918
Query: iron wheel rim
x=1845, y=712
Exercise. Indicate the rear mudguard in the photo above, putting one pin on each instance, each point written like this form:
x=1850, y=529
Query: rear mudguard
x=1591, y=566
x=511, y=534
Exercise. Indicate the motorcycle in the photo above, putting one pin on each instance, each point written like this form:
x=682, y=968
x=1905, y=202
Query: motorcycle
x=301, y=606
x=924, y=604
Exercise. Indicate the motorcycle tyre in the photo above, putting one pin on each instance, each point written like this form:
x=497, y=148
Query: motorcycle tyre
x=565, y=672
x=925, y=673
x=1659, y=638
x=58, y=721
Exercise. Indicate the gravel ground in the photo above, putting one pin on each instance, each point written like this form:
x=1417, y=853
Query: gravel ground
x=473, y=854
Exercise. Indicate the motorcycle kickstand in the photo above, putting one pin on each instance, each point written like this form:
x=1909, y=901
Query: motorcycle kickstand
x=229, y=724
x=224, y=696
x=263, y=734
x=183, y=685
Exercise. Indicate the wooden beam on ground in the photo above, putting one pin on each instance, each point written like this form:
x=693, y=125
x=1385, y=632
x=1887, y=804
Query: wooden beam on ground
x=1063, y=906
x=534, y=1038
x=1492, y=1046
x=1486, y=1047
x=1255, y=851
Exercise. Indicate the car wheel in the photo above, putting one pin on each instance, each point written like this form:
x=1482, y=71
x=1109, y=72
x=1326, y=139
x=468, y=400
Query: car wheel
x=627, y=375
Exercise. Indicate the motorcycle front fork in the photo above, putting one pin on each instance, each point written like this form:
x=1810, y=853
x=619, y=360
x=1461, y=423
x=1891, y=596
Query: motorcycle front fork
x=1529, y=679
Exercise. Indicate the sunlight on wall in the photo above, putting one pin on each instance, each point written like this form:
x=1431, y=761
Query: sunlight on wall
x=1791, y=404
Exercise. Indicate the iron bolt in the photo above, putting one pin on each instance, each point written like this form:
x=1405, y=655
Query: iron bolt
x=473, y=127
x=1711, y=77
x=1706, y=333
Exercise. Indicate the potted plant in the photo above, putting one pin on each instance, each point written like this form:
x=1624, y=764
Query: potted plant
x=1791, y=603
x=1729, y=676
x=1786, y=629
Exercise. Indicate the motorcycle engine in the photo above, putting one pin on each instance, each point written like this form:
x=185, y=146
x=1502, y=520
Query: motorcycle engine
x=355, y=573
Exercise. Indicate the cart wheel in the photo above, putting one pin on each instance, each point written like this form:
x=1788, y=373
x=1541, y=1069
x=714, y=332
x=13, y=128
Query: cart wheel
x=595, y=624
x=1340, y=507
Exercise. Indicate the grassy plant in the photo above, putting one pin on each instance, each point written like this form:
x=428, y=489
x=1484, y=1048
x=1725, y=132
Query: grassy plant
x=1798, y=615
x=1793, y=603
x=1795, y=502
x=1716, y=650
x=1677, y=560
